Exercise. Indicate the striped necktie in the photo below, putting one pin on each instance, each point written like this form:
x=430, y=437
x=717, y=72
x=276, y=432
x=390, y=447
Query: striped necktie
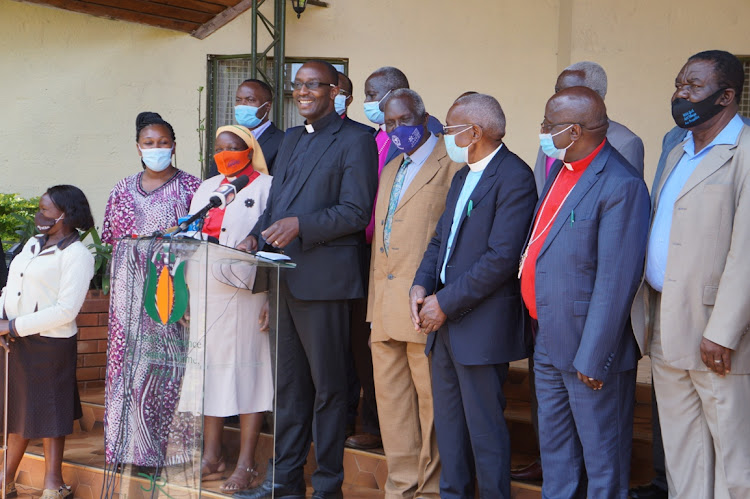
x=398, y=183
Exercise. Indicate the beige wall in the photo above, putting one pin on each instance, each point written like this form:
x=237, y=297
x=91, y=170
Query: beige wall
x=504, y=48
x=74, y=83
x=642, y=44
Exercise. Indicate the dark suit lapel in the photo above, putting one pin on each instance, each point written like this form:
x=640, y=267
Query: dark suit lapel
x=450, y=209
x=483, y=186
x=588, y=179
x=554, y=170
x=282, y=161
x=267, y=135
x=313, y=155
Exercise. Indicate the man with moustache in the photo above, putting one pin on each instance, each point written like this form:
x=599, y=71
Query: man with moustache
x=320, y=201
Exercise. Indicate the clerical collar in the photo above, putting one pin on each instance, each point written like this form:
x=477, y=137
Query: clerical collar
x=482, y=163
x=582, y=164
x=322, y=122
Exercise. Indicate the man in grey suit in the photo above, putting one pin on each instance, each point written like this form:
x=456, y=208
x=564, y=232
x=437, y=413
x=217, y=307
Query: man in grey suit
x=629, y=145
x=592, y=75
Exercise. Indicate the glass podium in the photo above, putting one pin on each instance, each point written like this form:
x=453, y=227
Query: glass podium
x=186, y=333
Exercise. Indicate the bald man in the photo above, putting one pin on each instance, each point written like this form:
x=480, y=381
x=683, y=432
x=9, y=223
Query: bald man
x=579, y=270
x=465, y=296
x=590, y=74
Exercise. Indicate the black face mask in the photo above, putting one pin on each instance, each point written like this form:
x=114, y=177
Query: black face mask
x=690, y=114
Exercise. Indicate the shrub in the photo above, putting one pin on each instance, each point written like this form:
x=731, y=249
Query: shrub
x=16, y=215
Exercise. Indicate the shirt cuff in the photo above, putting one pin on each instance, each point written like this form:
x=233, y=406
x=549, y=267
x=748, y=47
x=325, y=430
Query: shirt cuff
x=12, y=328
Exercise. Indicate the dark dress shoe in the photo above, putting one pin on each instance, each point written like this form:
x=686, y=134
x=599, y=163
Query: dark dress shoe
x=266, y=490
x=532, y=472
x=364, y=441
x=328, y=495
x=649, y=491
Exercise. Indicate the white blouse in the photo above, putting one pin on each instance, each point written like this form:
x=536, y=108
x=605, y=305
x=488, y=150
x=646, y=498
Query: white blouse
x=46, y=289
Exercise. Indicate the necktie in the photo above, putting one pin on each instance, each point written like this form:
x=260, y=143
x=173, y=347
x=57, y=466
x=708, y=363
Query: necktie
x=398, y=183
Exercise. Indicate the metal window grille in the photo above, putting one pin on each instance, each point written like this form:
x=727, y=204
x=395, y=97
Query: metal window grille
x=225, y=73
x=745, y=101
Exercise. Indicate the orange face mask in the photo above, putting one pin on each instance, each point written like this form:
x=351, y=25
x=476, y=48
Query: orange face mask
x=231, y=162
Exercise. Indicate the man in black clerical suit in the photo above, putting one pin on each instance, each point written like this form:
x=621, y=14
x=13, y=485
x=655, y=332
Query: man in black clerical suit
x=321, y=199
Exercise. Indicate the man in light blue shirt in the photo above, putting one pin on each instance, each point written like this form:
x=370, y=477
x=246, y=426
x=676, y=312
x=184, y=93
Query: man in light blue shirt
x=692, y=313
x=658, y=242
x=466, y=297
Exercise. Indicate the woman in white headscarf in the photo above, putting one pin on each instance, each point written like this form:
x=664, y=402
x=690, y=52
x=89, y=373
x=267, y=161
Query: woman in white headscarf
x=238, y=376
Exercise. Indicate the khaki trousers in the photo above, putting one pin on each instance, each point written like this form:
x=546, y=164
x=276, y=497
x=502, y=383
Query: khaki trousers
x=403, y=389
x=705, y=425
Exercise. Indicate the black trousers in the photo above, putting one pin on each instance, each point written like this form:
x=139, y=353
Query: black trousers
x=311, y=393
x=360, y=361
x=472, y=435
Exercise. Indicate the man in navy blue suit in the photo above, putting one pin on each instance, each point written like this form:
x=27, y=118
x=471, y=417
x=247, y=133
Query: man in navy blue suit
x=466, y=296
x=580, y=268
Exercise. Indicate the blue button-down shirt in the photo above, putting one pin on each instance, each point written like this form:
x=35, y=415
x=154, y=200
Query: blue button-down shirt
x=472, y=179
x=658, y=243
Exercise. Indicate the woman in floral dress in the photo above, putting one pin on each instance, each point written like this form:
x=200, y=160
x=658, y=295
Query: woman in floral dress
x=141, y=395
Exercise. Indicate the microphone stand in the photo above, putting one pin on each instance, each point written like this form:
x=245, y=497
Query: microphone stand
x=200, y=214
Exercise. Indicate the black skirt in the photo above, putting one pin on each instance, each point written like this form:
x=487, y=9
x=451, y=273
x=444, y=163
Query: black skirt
x=43, y=396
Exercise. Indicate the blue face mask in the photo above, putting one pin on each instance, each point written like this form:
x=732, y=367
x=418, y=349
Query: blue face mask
x=457, y=153
x=373, y=112
x=339, y=103
x=157, y=159
x=548, y=145
x=247, y=116
x=406, y=137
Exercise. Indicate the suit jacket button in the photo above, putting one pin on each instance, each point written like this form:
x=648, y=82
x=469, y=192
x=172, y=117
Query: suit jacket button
x=390, y=277
x=381, y=249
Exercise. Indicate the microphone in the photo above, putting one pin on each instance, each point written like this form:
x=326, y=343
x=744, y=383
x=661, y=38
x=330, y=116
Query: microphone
x=226, y=193
x=221, y=197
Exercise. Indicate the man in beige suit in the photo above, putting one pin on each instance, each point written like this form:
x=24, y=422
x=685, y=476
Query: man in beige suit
x=693, y=309
x=413, y=188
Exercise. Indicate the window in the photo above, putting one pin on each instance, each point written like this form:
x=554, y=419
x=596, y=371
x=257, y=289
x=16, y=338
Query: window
x=745, y=102
x=226, y=72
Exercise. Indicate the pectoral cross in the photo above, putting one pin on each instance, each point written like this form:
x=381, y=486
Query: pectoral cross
x=523, y=259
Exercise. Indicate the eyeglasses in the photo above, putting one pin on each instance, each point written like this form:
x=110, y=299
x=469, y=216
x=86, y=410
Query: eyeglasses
x=546, y=127
x=311, y=85
x=342, y=92
x=447, y=128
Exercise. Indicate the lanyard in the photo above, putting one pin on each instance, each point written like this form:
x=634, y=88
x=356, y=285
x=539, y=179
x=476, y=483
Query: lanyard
x=534, y=236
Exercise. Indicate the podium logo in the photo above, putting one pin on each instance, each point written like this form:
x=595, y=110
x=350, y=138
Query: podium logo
x=166, y=296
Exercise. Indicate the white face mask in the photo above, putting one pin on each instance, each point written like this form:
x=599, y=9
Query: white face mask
x=547, y=143
x=157, y=159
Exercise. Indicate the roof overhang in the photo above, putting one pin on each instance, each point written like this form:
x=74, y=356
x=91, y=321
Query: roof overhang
x=199, y=18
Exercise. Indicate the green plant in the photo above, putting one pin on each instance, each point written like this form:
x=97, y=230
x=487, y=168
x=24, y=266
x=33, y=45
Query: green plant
x=17, y=218
x=102, y=255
